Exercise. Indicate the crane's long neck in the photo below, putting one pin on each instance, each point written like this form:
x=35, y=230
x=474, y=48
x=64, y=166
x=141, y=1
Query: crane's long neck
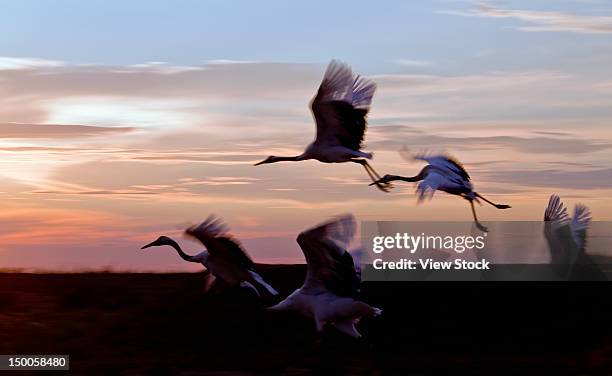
x=274, y=159
x=418, y=177
x=178, y=249
x=288, y=159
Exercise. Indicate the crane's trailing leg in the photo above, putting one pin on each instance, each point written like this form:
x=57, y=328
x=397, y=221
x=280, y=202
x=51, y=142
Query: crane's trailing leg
x=383, y=186
x=373, y=170
x=379, y=185
x=499, y=206
x=478, y=224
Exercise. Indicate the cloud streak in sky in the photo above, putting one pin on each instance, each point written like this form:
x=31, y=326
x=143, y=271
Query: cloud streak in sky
x=393, y=137
x=22, y=63
x=541, y=21
x=59, y=131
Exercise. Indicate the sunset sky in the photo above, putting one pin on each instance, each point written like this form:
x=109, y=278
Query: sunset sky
x=122, y=121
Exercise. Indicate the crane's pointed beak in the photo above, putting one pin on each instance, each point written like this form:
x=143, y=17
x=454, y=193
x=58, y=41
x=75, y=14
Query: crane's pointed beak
x=148, y=245
x=269, y=159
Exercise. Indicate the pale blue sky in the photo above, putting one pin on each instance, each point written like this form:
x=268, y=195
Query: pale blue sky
x=371, y=35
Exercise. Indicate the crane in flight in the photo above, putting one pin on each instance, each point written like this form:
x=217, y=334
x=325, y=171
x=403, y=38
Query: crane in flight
x=340, y=109
x=328, y=294
x=444, y=173
x=224, y=257
x=567, y=240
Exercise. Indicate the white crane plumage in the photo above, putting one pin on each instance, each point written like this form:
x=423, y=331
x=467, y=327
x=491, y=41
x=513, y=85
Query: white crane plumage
x=444, y=173
x=340, y=109
x=224, y=257
x=331, y=284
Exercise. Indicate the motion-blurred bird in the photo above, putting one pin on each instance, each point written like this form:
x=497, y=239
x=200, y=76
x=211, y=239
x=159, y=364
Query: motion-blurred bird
x=444, y=173
x=567, y=240
x=328, y=293
x=224, y=257
x=340, y=109
x=556, y=218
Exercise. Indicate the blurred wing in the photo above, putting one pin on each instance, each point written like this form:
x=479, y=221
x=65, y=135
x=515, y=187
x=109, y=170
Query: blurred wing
x=445, y=163
x=342, y=230
x=442, y=162
x=329, y=264
x=454, y=165
x=233, y=252
x=556, y=211
x=428, y=186
x=558, y=235
x=357, y=255
x=406, y=154
x=213, y=233
x=555, y=217
x=341, y=105
x=579, y=225
x=211, y=228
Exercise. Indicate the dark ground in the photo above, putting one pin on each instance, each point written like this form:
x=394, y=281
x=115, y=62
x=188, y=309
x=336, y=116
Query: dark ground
x=161, y=324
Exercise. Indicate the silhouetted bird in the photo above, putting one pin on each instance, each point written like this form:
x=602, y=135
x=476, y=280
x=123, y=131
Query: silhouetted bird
x=328, y=293
x=224, y=257
x=340, y=109
x=444, y=173
x=567, y=241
